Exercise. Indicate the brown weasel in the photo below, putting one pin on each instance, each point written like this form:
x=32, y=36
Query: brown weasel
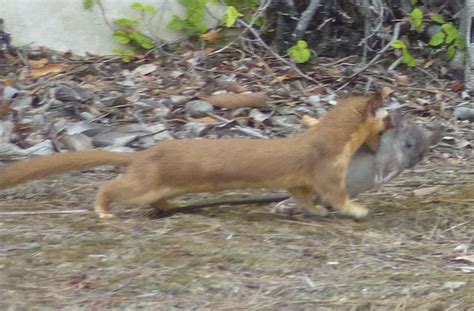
x=315, y=162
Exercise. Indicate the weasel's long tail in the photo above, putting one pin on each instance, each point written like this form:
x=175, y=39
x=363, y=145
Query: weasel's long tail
x=40, y=167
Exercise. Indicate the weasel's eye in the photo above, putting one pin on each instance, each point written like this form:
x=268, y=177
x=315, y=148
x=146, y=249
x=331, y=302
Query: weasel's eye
x=408, y=144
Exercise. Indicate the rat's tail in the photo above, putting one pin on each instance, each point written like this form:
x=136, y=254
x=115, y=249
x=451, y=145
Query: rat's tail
x=40, y=167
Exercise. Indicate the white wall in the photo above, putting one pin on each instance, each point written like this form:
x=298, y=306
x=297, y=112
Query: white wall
x=64, y=25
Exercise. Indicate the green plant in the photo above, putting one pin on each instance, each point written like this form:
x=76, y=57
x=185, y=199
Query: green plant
x=194, y=20
x=416, y=20
x=407, y=58
x=449, y=36
x=88, y=4
x=128, y=33
x=300, y=52
x=196, y=11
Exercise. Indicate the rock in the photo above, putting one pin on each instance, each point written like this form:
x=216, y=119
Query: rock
x=10, y=92
x=422, y=192
x=315, y=100
x=198, y=108
x=464, y=113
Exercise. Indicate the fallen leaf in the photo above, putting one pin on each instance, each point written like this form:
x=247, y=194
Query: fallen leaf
x=403, y=80
x=386, y=91
x=211, y=36
x=233, y=101
x=144, y=69
x=422, y=192
x=308, y=121
x=47, y=69
x=465, y=258
x=36, y=64
x=456, y=86
x=453, y=285
x=205, y=120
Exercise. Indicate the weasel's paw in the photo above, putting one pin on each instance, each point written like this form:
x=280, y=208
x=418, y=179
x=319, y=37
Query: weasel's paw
x=320, y=211
x=355, y=210
x=106, y=215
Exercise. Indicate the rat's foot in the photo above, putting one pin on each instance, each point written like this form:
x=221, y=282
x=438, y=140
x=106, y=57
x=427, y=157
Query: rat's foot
x=286, y=208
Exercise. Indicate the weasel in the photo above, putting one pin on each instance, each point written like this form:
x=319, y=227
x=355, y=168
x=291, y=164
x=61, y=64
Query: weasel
x=400, y=148
x=312, y=163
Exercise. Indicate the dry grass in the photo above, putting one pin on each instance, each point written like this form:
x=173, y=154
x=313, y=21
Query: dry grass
x=401, y=258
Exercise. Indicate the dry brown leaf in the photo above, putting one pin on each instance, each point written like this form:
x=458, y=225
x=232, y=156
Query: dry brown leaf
x=403, y=80
x=7, y=81
x=211, y=36
x=233, y=101
x=36, y=64
x=386, y=91
x=308, y=121
x=47, y=69
x=205, y=120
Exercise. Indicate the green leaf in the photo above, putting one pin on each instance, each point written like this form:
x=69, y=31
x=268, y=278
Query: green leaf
x=126, y=22
x=150, y=9
x=460, y=42
x=300, y=52
x=176, y=23
x=451, y=52
x=416, y=20
x=88, y=4
x=137, y=6
x=127, y=55
x=408, y=60
x=451, y=32
x=231, y=16
x=121, y=37
x=413, y=2
x=437, y=39
x=397, y=44
x=438, y=19
x=142, y=40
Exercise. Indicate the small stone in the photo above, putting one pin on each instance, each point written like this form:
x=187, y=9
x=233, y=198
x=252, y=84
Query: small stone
x=314, y=100
x=178, y=99
x=10, y=92
x=464, y=113
x=198, y=108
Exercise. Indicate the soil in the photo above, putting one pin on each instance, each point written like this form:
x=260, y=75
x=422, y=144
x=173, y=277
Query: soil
x=402, y=257
x=414, y=252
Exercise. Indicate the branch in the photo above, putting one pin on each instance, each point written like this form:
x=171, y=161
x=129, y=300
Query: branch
x=306, y=18
x=396, y=33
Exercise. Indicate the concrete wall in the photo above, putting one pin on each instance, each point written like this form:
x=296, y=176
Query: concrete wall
x=64, y=25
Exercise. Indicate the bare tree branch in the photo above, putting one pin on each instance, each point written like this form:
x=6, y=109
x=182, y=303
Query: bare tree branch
x=305, y=19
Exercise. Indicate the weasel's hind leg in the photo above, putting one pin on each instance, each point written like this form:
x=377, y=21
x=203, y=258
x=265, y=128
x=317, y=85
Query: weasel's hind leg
x=123, y=189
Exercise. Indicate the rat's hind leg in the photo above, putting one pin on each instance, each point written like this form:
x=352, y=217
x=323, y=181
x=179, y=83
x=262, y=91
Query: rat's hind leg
x=123, y=189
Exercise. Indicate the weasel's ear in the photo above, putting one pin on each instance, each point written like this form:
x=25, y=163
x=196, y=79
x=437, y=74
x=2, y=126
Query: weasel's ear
x=375, y=102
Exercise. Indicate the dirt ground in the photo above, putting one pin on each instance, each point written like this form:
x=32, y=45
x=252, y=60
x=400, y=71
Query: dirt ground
x=55, y=255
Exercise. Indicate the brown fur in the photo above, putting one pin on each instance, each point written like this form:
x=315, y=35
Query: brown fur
x=314, y=162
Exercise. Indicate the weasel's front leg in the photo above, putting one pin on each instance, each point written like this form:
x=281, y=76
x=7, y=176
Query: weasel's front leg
x=336, y=196
x=304, y=197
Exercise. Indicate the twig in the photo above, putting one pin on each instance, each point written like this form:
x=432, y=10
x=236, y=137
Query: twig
x=46, y=212
x=396, y=33
x=198, y=206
